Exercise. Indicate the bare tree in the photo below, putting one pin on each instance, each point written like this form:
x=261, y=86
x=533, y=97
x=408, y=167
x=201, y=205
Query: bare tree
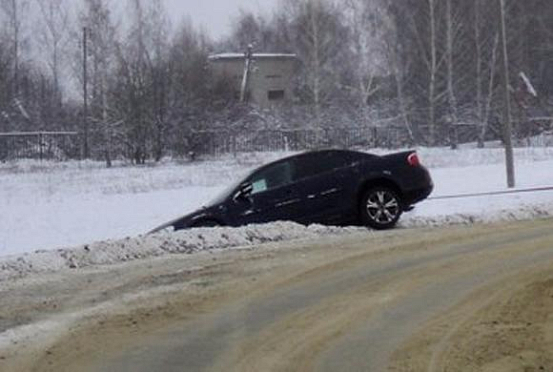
x=13, y=12
x=367, y=24
x=486, y=49
x=433, y=71
x=396, y=60
x=452, y=100
x=53, y=37
x=192, y=97
x=253, y=29
x=319, y=38
x=53, y=34
x=142, y=76
x=102, y=39
x=421, y=50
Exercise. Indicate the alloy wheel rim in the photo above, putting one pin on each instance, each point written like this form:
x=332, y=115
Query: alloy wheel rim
x=382, y=207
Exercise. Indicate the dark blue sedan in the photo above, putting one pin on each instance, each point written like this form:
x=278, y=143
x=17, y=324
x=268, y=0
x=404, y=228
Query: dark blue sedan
x=331, y=187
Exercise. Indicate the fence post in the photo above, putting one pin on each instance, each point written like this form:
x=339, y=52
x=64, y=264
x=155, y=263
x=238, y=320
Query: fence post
x=40, y=146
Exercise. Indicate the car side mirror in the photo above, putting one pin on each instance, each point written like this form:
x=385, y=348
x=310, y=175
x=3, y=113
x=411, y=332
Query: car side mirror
x=244, y=191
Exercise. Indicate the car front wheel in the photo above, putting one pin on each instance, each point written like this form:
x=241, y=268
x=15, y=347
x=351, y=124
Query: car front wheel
x=380, y=208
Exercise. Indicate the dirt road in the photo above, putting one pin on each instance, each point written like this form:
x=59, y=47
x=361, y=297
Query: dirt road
x=456, y=299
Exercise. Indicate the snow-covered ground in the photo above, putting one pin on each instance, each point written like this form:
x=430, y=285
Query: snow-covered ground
x=470, y=171
x=46, y=206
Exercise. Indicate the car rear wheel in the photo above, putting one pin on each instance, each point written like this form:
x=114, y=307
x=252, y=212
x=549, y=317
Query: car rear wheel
x=381, y=208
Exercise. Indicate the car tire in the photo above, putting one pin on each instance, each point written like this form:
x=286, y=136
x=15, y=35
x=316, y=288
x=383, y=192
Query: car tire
x=380, y=208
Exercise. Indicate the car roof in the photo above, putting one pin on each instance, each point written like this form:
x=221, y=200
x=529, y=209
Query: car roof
x=321, y=151
x=264, y=166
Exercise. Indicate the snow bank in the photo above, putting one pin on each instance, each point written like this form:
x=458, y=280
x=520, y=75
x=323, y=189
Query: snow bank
x=210, y=239
x=522, y=213
x=181, y=242
x=47, y=205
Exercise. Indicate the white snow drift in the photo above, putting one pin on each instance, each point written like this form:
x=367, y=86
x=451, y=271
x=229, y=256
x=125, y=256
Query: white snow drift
x=181, y=242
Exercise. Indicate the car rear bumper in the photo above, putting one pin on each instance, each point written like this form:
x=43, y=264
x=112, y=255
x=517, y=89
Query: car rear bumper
x=417, y=195
x=420, y=187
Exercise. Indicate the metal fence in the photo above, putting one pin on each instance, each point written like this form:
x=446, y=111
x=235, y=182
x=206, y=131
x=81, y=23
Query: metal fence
x=221, y=142
x=68, y=145
x=39, y=145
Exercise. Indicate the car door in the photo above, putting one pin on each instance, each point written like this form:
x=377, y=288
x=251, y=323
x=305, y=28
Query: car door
x=273, y=196
x=323, y=181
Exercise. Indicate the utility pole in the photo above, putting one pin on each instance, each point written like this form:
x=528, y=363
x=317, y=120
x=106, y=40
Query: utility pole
x=507, y=117
x=247, y=71
x=85, y=94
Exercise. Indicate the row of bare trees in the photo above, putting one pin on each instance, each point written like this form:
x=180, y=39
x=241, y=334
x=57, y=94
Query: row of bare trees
x=427, y=66
x=134, y=90
x=432, y=67
x=452, y=54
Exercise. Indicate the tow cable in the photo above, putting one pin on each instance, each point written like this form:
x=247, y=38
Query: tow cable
x=493, y=193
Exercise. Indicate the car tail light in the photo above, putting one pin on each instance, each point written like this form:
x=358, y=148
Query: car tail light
x=413, y=160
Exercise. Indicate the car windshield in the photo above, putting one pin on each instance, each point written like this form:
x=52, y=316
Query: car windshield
x=227, y=191
x=272, y=177
x=262, y=179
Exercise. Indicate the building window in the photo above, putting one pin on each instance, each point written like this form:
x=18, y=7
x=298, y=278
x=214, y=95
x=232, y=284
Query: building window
x=275, y=95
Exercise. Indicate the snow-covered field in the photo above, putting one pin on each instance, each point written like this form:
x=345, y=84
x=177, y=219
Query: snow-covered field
x=470, y=171
x=46, y=206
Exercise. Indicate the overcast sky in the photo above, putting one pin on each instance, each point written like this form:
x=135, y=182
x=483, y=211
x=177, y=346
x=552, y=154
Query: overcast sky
x=215, y=16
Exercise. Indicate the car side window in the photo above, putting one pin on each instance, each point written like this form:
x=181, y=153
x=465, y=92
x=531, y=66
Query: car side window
x=311, y=165
x=274, y=176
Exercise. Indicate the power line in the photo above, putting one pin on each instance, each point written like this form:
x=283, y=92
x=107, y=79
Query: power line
x=519, y=191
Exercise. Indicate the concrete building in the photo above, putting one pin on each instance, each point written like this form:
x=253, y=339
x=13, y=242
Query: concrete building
x=270, y=75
